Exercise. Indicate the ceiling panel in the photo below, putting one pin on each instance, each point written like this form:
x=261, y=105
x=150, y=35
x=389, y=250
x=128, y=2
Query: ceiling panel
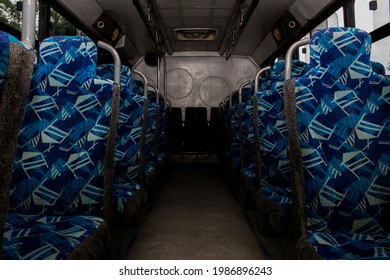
x=197, y=13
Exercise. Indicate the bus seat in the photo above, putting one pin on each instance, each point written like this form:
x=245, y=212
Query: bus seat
x=195, y=129
x=151, y=154
x=57, y=201
x=162, y=131
x=138, y=87
x=247, y=175
x=234, y=153
x=342, y=153
x=378, y=68
x=273, y=195
x=16, y=66
x=150, y=169
x=175, y=130
x=129, y=192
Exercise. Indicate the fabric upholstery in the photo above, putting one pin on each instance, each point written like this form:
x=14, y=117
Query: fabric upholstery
x=343, y=120
x=273, y=134
x=46, y=237
x=127, y=150
x=248, y=173
x=378, y=68
x=58, y=165
x=57, y=191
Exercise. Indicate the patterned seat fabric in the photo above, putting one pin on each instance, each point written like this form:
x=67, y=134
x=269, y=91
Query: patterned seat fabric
x=150, y=161
x=378, y=68
x=127, y=149
x=344, y=127
x=235, y=132
x=249, y=146
x=242, y=153
x=273, y=192
x=58, y=169
x=46, y=237
x=275, y=170
x=151, y=140
x=162, y=127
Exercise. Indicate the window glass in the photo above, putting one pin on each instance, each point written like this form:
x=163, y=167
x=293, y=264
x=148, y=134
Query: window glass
x=380, y=52
x=60, y=25
x=336, y=19
x=10, y=15
x=370, y=20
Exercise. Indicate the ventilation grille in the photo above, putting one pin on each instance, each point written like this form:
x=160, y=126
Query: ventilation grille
x=196, y=34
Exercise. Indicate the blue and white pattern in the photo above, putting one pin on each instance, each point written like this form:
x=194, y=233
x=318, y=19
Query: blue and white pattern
x=37, y=237
x=150, y=160
x=275, y=170
x=127, y=148
x=56, y=197
x=162, y=127
x=248, y=141
x=378, y=68
x=59, y=159
x=152, y=126
x=235, y=130
x=344, y=125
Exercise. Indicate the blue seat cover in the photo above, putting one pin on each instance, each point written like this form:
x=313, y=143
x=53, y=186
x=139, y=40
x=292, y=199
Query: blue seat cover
x=343, y=119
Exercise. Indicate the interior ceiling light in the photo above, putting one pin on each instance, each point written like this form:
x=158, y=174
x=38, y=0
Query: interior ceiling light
x=196, y=34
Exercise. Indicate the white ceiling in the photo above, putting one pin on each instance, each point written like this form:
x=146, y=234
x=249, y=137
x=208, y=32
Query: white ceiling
x=198, y=14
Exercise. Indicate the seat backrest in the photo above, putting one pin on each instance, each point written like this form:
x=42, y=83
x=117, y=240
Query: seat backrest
x=233, y=127
x=59, y=160
x=275, y=170
x=107, y=71
x=378, y=68
x=344, y=127
x=128, y=143
x=138, y=87
x=162, y=125
x=16, y=65
x=248, y=140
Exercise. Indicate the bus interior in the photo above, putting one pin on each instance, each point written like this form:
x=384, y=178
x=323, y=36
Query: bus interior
x=195, y=130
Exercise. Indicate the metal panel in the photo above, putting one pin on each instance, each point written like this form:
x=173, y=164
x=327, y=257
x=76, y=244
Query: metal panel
x=201, y=79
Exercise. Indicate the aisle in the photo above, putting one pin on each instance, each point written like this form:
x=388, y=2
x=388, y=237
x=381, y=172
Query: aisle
x=195, y=217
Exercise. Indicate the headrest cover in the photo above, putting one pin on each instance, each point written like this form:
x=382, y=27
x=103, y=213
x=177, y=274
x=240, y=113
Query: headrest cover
x=341, y=48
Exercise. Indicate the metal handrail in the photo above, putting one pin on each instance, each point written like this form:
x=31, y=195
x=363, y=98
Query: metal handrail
x=290, y=52
x=145, y=80
x=28, y=22
x=261, y=71
x=117, y=60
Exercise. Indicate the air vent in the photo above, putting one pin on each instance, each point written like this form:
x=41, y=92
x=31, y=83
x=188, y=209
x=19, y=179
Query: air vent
x=196, y=34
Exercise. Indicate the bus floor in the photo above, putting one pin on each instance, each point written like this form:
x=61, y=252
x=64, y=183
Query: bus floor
x=195, y=217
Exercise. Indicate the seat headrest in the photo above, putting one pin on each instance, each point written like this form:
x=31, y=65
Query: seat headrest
x=277, y=71
x=341, y=48
x=107, y=71
x=76, y=52
x=299, y=68
x=378, y=68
